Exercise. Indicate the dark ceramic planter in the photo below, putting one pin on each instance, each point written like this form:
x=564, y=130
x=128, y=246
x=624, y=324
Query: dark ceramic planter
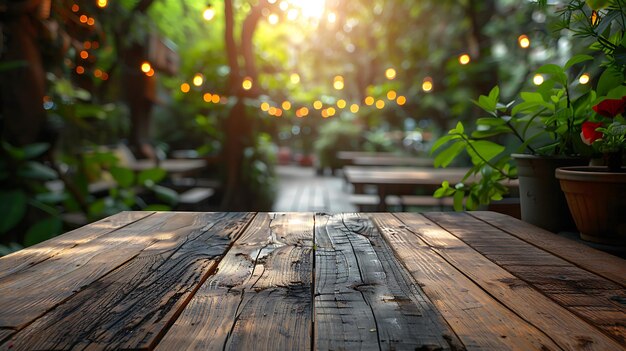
x=597, y=201
x=541, y=200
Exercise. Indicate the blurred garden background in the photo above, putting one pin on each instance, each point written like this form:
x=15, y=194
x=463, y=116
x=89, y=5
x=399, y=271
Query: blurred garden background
x=117, y=105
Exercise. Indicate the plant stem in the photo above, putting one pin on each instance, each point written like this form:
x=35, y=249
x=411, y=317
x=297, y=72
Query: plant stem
x=467, y=141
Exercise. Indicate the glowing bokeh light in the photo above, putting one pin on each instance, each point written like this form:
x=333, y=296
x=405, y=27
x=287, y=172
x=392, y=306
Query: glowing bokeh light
x=198, y=79
x=84, y=55
x=464, y=59
x=294, y=78
x=331, y=111
x=102, y=3
x=272, y=111
x=391, y=95
x=91, y=21
x=354, y=108
x=427, y=84
x=523, y=41
x=390, y=73
x=75, y=8
x=97, y=73
x=265, y=106
x=146, y=67
x=247, y=83
x=215, y=99
x=317, y=105
x=286, y=105
x=150, y=73
x=207, y=97
x=584, y=78
x=272, y=19
x=80, y=69
x=401, y=100
x=380, y=104
x=332, y=17
x=325, y=113
x=341, y=103
x=338, y=84
x=83, y=19
x=185, y=88
x=369, y=101
x=208, y=13
x=538, y=79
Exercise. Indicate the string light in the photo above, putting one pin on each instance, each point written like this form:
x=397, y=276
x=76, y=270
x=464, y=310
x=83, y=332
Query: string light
x=279, y=112
x=427, y=84
x=75, y=8
x=265, y=106
x=146, y=67
x=286, y=105
x=215, y=99
x=464, y=59
x=369, y=101
x=91, y=21
x=105, y=76
x=325, y=113
x=391, y=95
x=317, y=105
x=207, y=97
x=80, y=69
x=538, y=79
x=390, y=73
x=198, y=79
x=150, y=73
x=102, y=3
x=272, y=111
x=87, y=45
x=247, y=83
x=584, y=78
x=331, y=111
x=84, y=55
x=208, y=13
x=523, y=41
x=354, y=108
x=380, y=104
x=83, y=19
x=341, y=103
x=97, y=73
x=338, y=83
x=185, y=88
x=401, y=100
x=305, y=111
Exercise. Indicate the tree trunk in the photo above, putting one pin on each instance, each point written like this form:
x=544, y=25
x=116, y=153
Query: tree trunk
x=22, y=89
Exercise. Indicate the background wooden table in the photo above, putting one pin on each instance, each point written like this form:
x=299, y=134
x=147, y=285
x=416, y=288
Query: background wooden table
x=296, y=281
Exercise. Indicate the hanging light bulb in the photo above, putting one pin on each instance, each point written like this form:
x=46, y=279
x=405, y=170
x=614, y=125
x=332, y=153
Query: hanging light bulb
x=209, y=12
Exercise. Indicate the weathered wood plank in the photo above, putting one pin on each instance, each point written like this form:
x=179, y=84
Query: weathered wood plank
x=479, y=320
x=608, y=266
x=35, y=254
x=557, y=278
x=5, y=333
x=260, y=296
x=364, y=298
x=27, y=294
x=565, y=328
x=132, y=306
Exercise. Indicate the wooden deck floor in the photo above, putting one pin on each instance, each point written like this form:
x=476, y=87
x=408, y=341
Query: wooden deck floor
x=300, y=190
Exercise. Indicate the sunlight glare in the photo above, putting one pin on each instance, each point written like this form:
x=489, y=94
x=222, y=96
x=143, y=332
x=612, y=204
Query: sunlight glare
x=310, y=8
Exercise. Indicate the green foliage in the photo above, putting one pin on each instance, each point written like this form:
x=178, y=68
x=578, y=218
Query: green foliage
x=336, y=135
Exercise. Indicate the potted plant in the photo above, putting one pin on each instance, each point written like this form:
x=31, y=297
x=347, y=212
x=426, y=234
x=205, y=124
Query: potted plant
x=544, y=127
x=595, y=194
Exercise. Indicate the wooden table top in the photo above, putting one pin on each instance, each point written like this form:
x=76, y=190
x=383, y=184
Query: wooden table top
x=297, y=281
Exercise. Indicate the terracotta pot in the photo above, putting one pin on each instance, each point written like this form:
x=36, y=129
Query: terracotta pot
x=597, y=201
x=541, y=200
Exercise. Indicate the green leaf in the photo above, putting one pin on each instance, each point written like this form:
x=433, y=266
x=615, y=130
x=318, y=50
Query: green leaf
x=123, y=176
x=441, y=141
x=490, y=121
x=610, y=79
x=43, y=230
x=157, y=208
x=531, y=96
x=37, y=171
x=35, y=150
x=446, y=156
x=577, y=59
x=12, y=209
x=166, y=194
x=555, y=71
x=487, y=149
x=481, y=134
x=489, y=103
x=154, y=175
x=458, y=200
x=51, y=198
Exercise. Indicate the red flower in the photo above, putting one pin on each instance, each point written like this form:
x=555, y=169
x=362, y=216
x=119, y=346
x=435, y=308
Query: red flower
x=611, y=107
x=589, y=133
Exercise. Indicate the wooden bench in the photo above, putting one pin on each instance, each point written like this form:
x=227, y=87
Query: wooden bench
x=193, y=197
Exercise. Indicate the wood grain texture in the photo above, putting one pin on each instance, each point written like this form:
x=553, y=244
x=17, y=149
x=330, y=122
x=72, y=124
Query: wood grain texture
x=5, y=333
x=598, y=262
x=597, y=299
x=27, y=294
x=479, y=320
x=365, y=299
x=35, y=254
x=565, y=328
x=260, y=296
x=131, y=307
